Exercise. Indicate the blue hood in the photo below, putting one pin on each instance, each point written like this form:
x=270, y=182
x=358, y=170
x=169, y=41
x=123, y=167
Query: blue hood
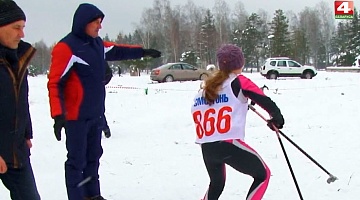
x=85, y=14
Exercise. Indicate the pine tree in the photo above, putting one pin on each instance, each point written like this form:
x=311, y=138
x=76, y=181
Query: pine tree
x=189, y=57
x=299, y=50
x=208, y=39
x=355, y=35
x=251, y=40
x=280, y=45
x=341, y=45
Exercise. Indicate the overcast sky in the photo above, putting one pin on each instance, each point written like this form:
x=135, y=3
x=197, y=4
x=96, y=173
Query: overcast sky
x=50, y=20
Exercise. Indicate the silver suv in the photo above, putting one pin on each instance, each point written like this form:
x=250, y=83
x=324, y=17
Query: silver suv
x=285, y=67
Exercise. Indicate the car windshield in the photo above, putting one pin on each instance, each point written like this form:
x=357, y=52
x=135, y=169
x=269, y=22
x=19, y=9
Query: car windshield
x=267, y=60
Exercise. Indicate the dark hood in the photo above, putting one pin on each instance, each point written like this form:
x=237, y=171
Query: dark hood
x=85, y=14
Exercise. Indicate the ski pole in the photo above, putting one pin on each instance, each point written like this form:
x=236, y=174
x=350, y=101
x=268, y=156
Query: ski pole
x=331, y=178
x=262, y=88
x=285, y=154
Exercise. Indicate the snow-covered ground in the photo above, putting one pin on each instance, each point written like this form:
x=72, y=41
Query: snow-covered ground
x=152, y=154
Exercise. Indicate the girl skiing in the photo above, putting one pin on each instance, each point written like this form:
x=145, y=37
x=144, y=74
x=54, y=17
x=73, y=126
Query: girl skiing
x=219, y=113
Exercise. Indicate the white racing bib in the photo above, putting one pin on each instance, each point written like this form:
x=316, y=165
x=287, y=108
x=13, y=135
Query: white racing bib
x=223, y=120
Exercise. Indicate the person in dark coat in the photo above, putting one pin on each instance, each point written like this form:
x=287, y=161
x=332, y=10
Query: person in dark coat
x=119, y=70
x=15, y=122
x=77, y=97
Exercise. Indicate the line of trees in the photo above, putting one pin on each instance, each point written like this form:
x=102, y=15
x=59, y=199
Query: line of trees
x=192, y=34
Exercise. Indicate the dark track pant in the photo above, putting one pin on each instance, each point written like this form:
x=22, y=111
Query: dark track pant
x=239, y=156
x=21, y=183
x=83, y=143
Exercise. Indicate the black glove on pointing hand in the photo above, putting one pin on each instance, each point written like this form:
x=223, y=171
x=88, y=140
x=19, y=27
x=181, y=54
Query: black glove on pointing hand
x=58, y=125
x=277, y=120
x=152, y=53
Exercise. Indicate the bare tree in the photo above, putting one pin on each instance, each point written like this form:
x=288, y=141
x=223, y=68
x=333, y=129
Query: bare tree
x=145, y=28
x=185, y=28
x=175, y=33
x=190, y=20
x=310, y=21
x=293, y=20
x=265, y=30
x=327, y=28
x=239, y=17
x=222, y=20
x=41, y=61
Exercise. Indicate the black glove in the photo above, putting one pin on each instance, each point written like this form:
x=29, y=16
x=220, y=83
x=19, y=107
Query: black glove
x=108, y=73
x=252, y=103
x=152, y=53
x=277, y=120
x=58, y=125
x=107, y=132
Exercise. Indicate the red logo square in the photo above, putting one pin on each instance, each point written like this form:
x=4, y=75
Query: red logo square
x=344, y=9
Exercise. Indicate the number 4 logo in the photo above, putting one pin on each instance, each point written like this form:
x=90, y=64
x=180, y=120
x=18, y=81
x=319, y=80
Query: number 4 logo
x=344, y=9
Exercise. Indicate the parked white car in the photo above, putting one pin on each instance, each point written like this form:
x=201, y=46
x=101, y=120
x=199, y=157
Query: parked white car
x=285, y=67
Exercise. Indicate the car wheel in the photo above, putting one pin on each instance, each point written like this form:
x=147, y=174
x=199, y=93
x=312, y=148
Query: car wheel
x=169, y=78
x=203, y=76
x=308, y=75
x=272, y=75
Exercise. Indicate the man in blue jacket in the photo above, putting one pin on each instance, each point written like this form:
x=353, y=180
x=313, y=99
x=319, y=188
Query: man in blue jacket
x=77, y=96
x=15, y=124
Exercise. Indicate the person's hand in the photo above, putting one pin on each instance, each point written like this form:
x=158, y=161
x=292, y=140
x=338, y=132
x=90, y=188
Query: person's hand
x=152, y=53
x=58, y=125
x=107, y=132
x=277, y=120
x=3, y=167
x=29, y=143
x=108, y=74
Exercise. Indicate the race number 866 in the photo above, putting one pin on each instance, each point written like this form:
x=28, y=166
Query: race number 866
x=212, y=121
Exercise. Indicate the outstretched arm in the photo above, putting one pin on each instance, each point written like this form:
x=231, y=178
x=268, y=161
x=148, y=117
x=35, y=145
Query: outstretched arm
x=115, y=51
x=253, y=92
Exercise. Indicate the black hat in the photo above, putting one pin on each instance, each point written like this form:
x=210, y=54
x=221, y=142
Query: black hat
x=10, y=12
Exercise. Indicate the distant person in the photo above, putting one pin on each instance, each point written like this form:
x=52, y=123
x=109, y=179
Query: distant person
x=119, y=71
x=219, y=113
x=15, y=122
x=77, y=97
